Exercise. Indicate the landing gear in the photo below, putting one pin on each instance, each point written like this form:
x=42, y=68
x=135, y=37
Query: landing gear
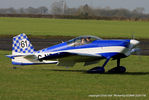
x=98, y=69
x=118, y=69
x=14, y=67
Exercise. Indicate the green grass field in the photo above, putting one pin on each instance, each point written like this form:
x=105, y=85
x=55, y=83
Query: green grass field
x=43, y=26
x=50, y=82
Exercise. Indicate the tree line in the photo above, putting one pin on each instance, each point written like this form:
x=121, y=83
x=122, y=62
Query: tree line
x=60, y=9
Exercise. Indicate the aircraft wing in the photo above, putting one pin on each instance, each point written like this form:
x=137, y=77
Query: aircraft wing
x=71, y=58
x=58, y=55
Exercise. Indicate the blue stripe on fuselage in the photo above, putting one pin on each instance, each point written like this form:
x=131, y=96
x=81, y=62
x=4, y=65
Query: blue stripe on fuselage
x=112, y=55
x=96, y=43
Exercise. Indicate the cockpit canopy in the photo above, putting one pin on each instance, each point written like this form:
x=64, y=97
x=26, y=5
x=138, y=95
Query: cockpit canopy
x=82, y=40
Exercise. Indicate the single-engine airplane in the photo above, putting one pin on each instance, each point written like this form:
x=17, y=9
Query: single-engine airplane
x=87, y=49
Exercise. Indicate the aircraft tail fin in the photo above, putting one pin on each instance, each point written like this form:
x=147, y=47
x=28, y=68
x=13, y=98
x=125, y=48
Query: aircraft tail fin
x=23, y=52
x=22, y=45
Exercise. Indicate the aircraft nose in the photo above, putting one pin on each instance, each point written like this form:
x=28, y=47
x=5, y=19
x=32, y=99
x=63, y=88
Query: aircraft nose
x=134, y=42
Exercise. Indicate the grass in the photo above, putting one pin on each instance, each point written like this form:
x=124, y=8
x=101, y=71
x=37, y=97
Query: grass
x=50, y=82
x=48, y=27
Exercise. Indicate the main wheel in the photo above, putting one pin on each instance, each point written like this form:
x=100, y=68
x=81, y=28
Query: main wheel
x=119, y=69
x=96, y=70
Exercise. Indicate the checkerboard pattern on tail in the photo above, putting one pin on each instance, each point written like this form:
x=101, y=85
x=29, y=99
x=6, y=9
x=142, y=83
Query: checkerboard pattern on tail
x=22, y=45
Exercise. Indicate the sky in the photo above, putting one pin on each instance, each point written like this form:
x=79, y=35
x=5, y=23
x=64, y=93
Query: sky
x=129, y=4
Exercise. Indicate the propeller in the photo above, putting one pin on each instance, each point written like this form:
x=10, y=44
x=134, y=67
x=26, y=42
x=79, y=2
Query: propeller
x=134, y=48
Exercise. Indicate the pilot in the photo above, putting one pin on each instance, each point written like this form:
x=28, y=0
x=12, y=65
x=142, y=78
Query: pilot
x=88, y=39
x=83, y=41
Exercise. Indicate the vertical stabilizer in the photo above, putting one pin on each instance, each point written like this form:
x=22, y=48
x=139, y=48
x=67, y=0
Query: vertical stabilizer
x=22, y=45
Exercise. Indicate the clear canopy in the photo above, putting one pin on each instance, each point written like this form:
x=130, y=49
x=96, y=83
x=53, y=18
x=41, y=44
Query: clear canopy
x=82, y=40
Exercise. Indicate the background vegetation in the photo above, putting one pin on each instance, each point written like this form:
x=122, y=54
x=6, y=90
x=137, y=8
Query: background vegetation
x=65, y=27
x=85, y=11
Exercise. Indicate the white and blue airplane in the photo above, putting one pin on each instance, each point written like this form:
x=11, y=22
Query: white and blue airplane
x=87, y=49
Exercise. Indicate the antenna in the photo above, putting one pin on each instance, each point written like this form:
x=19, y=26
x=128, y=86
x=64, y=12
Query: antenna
x=132, y=36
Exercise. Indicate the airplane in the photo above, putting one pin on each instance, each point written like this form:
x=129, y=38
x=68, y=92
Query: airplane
x=88, y=49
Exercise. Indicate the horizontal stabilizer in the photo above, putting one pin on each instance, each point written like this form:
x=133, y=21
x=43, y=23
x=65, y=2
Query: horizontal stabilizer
x=19, y=55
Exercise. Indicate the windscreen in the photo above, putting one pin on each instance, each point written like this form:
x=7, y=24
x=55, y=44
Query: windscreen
x=82, y=40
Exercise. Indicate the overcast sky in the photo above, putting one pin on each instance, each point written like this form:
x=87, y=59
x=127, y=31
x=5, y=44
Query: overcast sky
x=129, y=4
